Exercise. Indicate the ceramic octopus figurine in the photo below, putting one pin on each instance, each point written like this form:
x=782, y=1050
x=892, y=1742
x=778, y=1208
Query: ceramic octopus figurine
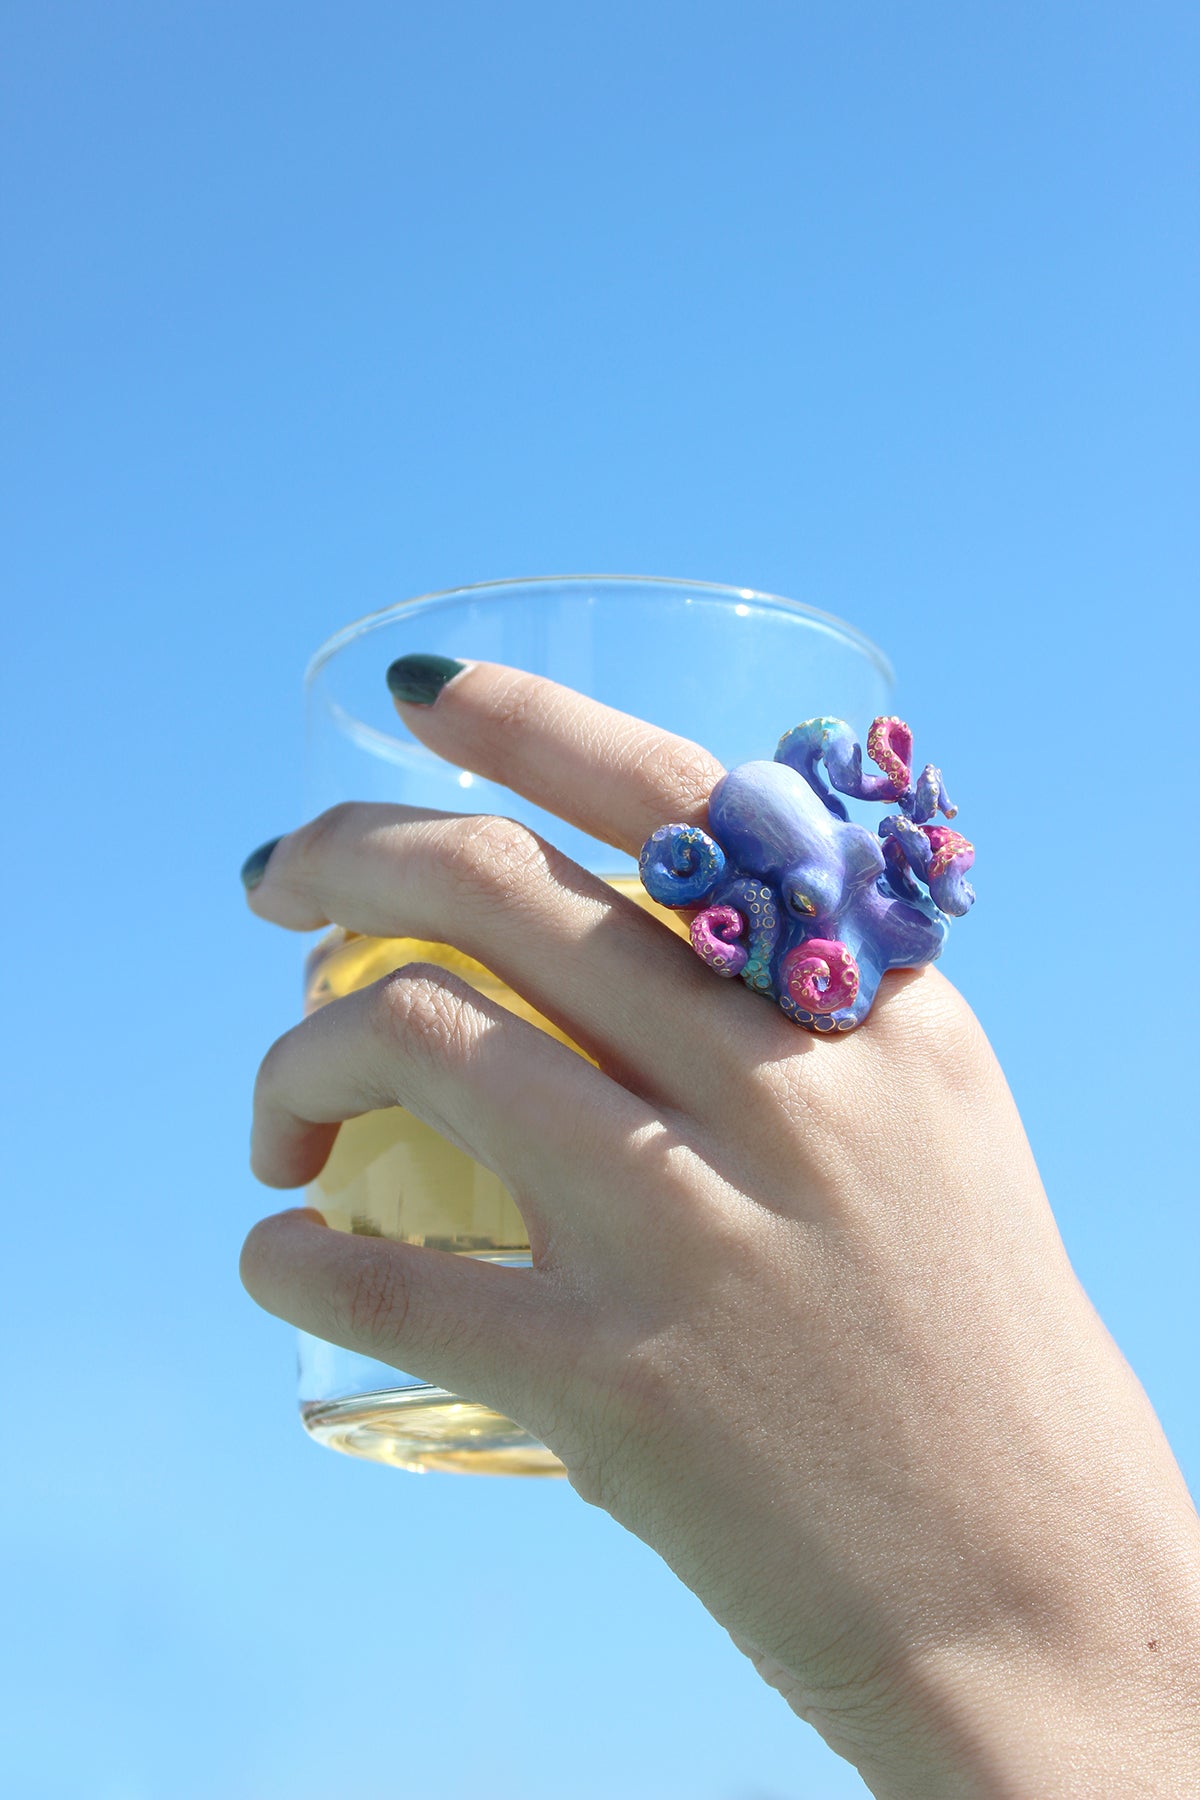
x=806, y=906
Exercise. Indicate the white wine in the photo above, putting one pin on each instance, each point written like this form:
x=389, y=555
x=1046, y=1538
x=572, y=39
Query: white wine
x=391, y=1176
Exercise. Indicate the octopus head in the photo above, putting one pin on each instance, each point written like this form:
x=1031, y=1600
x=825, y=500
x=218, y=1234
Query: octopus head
x=817, y=886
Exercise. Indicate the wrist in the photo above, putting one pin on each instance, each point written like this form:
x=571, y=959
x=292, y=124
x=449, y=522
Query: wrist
x=978, y=1724
x=1059, y=1660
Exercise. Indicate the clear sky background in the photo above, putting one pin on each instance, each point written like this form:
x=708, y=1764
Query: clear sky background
x=309, y=308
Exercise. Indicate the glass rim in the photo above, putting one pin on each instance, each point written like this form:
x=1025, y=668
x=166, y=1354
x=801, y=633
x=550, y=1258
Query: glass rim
x=372, y=621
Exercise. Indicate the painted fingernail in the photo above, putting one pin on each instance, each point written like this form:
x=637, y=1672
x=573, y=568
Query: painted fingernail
x=255, y=865
x=418, y=680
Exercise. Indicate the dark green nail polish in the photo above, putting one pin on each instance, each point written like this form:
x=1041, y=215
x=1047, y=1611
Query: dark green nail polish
x=255, y=865
x=418, y=680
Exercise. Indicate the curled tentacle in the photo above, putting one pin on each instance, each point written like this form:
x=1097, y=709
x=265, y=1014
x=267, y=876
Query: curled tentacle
x=831, y=741
x=803, y=748
x=952, y=856
x=910, y=843
x=929, y=797
x=714, y=938
x=938, y=856
x=896, y=874
x=889, y=743
x=680, y=865
x=820, y=976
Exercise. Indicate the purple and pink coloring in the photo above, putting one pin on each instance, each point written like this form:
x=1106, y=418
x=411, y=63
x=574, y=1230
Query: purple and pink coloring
x=807, y=907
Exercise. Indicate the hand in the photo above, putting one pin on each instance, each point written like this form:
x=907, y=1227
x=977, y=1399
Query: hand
x=799, y=1315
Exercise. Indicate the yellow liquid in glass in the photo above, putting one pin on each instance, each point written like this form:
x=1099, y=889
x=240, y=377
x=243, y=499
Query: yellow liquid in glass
x=391, y=1176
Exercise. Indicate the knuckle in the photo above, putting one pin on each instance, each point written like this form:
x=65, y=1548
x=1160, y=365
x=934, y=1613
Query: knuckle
x=420, y=1011
x=490, y=856
x=322, y=836
x=924, y=1024
x=677, y=767
x=318, y=851
x=318, y=848
x=505, y=843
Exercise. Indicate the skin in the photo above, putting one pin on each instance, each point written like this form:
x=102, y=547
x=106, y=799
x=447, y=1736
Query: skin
x=799, y=1314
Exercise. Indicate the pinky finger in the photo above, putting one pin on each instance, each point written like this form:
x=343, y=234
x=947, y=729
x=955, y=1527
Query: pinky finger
x=493, y=1333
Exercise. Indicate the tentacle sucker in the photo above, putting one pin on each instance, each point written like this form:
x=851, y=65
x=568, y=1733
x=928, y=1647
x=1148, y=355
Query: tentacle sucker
x=889, y=743
x=757, y=904
x=831, y=741
x=952, y=856
x=928, y=797
x=939, y=856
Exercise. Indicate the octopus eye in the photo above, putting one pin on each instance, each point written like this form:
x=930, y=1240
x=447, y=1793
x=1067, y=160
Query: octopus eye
x=801, y=902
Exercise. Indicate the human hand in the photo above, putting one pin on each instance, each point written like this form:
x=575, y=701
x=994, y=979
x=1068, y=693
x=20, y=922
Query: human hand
x=799, y=1315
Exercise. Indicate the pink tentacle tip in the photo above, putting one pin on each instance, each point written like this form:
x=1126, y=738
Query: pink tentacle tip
x=889, y=746
x=821, y=976
x=946, y=846
x=715, y=932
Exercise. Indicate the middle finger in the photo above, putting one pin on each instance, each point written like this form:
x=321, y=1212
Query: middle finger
x=620, y=984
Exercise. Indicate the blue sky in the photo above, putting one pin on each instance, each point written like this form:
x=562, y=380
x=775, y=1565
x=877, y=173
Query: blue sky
x=890, y=309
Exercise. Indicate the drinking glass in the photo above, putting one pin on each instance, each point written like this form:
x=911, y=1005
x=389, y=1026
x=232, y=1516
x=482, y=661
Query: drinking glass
x=729, y=667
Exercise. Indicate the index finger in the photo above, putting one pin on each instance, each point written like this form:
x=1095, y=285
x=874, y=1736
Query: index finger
x=616, y=777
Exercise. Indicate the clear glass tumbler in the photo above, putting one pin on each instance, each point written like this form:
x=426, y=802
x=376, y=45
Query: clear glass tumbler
x=726, y=666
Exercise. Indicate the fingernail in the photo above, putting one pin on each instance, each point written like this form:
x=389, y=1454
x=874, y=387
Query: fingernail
x=255, y=865
x=418, y=680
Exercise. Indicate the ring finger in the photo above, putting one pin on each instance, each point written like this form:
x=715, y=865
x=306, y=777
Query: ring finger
x=500, y=1089
x=592, y=962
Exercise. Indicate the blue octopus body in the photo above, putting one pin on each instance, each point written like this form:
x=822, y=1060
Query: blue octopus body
x=782, y=869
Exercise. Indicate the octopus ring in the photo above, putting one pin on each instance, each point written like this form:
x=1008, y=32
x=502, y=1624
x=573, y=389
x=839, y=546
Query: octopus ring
x=806, y=906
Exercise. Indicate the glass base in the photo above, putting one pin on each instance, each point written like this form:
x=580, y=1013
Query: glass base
x=420, y=1428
